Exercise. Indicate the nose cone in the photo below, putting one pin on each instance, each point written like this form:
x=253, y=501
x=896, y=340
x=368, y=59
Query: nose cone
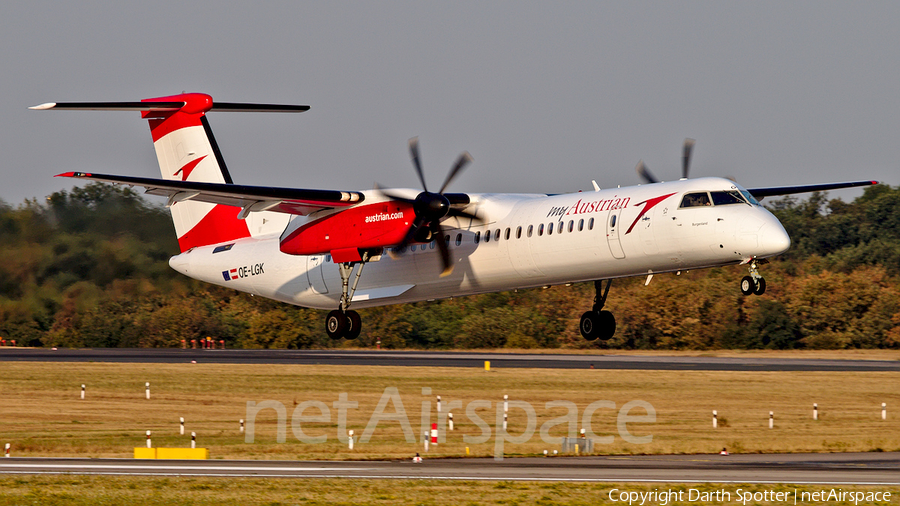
x=773, y=238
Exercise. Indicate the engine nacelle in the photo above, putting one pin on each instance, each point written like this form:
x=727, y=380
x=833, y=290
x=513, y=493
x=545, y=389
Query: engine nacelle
x=366, y=227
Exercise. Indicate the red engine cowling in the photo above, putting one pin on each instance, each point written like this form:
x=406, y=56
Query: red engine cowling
x=344, y=233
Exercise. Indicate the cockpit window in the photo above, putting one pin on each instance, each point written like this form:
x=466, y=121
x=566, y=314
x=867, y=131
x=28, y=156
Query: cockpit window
x=695, y=200
x=750, y=198
x=727, y=197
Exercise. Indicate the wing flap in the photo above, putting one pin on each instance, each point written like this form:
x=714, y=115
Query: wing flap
x=248, y=198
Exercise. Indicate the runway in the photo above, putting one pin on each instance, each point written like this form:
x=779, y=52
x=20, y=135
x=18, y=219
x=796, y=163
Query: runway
x=444, y=359
x=817, y=468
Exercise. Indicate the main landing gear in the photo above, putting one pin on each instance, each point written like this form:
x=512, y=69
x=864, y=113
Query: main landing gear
x=598, y=323
x=754, y=283
x=344, y=322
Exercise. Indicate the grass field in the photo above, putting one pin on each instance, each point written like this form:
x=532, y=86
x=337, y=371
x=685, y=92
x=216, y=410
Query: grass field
x=42, y=414
x=91, y=490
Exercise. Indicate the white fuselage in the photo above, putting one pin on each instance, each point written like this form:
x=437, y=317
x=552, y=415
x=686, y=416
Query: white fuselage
x=632, y=231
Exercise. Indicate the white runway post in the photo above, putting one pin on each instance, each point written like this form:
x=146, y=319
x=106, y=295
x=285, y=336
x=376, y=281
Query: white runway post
x=884, y=411
x=451, y=420
x=242, y=425
x=771, y=419
x=82, y=391
x=504, y=421
x=426, y=440
x=148, y=390
x=439, y=404
x=715, y=419
x=350, y=438
x=505, y=405
x=815, y=411
x=193, y=440
x=7, y=450
x=148, y=440
x=182, y=426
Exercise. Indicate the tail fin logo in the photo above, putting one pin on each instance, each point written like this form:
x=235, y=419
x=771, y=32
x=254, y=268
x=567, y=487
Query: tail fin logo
x=188, y=168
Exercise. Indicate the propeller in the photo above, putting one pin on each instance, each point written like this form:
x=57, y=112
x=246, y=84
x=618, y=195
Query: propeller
x=430, y=208
x=686, y=157
x=648, y=176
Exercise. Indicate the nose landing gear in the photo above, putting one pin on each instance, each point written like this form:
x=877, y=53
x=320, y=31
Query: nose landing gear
x=598, y=323
x=754, y=283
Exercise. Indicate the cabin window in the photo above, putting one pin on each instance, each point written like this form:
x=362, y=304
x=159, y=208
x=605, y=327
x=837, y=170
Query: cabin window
x=328, y=258
x=571, y=226
x=541, y=229
x=559, y=228
x=698, y=199
x=477, y=237
x=506, y=235
x=487, y=236
x=458, y=239
x=581, y=224
x=518, y=232
x=412, y=247
x=431, y=246
x=530, y=229
x=591, y=224
x=497, y=234
x=612, y=221
x=727, y=198
x=549, y=229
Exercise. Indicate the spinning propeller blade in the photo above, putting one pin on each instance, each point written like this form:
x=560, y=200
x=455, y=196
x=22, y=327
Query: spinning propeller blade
x=686, y=157
x=686, y=151
x=645, y=173
x=430, y=208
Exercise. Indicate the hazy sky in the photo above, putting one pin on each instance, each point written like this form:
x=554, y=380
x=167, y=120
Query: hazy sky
x=545, y=96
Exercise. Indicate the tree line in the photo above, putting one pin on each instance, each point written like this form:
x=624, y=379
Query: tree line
x=89, y=268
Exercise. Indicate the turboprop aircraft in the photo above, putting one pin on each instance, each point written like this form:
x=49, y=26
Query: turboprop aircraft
x=310, y=247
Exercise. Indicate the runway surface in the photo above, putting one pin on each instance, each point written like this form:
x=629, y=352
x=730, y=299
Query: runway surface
x=831, y=469
x=443, y=359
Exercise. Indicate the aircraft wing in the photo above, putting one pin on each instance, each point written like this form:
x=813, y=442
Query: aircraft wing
x=761, y=193
x=248, y=198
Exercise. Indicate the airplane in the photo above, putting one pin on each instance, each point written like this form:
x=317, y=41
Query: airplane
x=309, y=247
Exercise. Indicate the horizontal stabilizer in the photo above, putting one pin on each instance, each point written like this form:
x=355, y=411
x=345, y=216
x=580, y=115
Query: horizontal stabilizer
x=167, y=106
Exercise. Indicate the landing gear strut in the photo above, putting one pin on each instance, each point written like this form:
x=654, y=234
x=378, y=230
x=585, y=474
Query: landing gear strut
x=344, y=322
x=754, y=283
x=598, y=323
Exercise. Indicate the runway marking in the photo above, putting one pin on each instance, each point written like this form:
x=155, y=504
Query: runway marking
x=188, y=468
x=467, y=478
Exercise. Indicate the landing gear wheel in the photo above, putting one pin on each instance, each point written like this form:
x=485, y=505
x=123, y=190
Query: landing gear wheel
x=760, y=286
x=589, y=326
x=354, y=325
x=748, y=286
x=336, y=324
x=607, y=325
x=597, y=325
